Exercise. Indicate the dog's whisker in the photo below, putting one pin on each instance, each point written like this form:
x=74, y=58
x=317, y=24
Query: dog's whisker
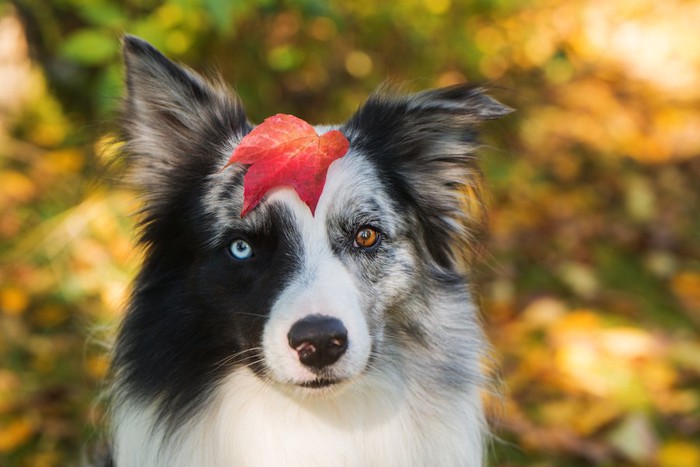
x=236, y=356
x=254, y=315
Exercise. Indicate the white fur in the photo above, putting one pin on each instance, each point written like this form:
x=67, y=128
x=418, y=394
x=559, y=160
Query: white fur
x=323, y=287
x=377, y=421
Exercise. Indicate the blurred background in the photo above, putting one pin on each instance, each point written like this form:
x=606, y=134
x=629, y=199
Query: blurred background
x=591, y=286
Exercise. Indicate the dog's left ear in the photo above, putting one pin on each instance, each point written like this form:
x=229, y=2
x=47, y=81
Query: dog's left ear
x=423, y=145
x=178, y=125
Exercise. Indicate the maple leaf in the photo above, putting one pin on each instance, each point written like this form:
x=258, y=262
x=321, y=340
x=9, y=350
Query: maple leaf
x=286, y=151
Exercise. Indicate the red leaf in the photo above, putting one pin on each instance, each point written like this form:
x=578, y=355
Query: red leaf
x=285, y=150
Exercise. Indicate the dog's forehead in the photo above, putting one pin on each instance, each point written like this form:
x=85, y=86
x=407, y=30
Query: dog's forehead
x=349, y=181
x=352, y=186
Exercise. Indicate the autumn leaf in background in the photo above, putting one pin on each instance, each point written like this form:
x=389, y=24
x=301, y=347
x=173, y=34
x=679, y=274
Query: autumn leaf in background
x=285, y=150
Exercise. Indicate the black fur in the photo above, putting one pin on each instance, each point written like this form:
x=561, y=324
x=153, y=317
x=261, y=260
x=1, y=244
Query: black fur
x=194, y=308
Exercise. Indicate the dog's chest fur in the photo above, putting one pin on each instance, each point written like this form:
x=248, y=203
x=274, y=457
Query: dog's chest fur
x=377, y=423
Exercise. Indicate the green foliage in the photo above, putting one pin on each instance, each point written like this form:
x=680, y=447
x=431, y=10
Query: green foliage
x=89, y=47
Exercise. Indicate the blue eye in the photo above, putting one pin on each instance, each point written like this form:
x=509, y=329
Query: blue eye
x=240, y=249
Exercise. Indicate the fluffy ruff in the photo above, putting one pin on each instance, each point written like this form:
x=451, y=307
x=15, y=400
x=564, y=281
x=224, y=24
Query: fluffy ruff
x=204, y=373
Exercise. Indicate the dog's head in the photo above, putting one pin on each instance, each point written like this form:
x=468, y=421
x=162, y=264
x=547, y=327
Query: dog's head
x=309, y=303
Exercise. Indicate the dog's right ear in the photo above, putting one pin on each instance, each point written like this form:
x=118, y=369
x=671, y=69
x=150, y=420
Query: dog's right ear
x=424, y=146
x=178, y=125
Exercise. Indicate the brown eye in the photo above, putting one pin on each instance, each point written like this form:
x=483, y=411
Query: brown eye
x=367, y=237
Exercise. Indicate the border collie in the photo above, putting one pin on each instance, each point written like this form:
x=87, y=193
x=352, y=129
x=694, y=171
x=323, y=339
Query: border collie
x=342, y=337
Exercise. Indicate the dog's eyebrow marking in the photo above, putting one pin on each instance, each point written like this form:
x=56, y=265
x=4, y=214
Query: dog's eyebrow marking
x=365, y=211
x=371, y=206
x=355, y=214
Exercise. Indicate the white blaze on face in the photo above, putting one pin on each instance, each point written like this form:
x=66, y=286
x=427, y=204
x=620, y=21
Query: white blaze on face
x=323, y=286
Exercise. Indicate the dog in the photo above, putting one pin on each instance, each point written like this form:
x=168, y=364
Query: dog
x=342, y=336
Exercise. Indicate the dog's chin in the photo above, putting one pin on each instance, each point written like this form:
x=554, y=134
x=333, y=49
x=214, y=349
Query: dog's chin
x=319, y=387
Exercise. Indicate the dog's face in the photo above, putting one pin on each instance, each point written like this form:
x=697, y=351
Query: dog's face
x=309, y=303
x=305, y=294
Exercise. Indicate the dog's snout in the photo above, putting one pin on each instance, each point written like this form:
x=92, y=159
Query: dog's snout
x=318, y=340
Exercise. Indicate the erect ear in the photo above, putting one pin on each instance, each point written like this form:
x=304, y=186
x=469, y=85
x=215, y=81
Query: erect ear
x=423, y=145
x=178, y=126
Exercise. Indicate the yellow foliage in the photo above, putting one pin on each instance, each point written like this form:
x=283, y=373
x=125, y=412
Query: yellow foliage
x=544, y=312
x=48, y=134
x=621, y=363
x=679, y=454
x=97, y=366
x=44, y=459
x=169, y=15
x=177, y=42
x=13, y=300
x=686, y=353
x=64, y=161
x=15, y=433
x=437, y=7
x=358, y=64
x=629, y=343
x=687, y=286
x=594, y=415
x=16, y=187
x=677, y=402
x=9, y=386
x=107, y=147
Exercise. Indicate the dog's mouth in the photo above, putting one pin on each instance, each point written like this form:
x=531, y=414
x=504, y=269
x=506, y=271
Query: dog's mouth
x=320, y=383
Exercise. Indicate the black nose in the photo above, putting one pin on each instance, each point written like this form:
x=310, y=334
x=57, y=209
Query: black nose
x=319, y=340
